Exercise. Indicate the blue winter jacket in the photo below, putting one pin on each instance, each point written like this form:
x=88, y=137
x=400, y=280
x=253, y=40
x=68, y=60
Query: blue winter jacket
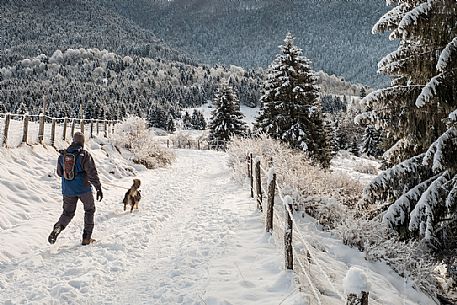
x=85, y=172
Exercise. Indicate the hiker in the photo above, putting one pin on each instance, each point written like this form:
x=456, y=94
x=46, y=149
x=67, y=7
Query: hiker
x=77, y=169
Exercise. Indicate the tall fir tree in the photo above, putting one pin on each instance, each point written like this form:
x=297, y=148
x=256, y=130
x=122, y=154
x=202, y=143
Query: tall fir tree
x=22, y=109
x=157, y=117
x=291, y=110
x=171, y=124
x=226, y=120
x=371, y=142
x=187, y=121
x=198, y=120
x=418, y=113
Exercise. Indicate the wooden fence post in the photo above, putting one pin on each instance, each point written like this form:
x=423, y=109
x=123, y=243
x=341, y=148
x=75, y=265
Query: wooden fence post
x=73, y=125
x=7, y=126
x=353, y=299
x=98, y=127
x=198, y=144
x=289, y=253
x=168, y=143
x=251, y=175
x=81, y=125
x=188, y=143
x=65, y=123
x=41, y=129
x=91, y=128
x=53, y=132
x=270, y=203
x=248, y=164
x=25, y=129
x=112, y=127
x=258, y=186
x=105, y=133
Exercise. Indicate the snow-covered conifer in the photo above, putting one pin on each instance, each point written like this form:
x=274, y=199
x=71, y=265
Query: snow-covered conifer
x=226, y=120
x=417, y=113
x=22, y=109
x=371, y=142
x=291, y=109
x=198, y=120
x=171, y=124
x=187, y=121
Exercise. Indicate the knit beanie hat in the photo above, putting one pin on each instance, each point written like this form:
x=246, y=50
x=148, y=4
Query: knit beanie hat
x=78, y=138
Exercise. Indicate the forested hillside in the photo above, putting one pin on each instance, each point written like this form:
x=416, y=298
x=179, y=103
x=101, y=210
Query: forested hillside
x=29, y=28
x=72, y=55
x=335, y=35
x=107, y=85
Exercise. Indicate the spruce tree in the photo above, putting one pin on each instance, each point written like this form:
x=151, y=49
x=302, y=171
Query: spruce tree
x=291, y=110
x=198, y=120
x=171, y=124
x=418, y=112
x=187, y=121
x=22, y=109
x=226, y=120
x=371, y=142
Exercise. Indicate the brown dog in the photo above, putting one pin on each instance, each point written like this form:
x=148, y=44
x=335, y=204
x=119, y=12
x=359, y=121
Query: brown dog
x=133, y=195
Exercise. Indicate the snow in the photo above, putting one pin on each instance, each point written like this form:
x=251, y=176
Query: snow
x=444, y=61
x=249, y=113
x=270, y=175
x=355, y=281
x=429, y=91
x=197, y=238
x=345, y=163
x=411, y=17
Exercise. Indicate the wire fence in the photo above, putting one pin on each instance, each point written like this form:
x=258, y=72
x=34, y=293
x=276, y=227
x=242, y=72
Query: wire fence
x=18, y=129
x=300, y=255
x=199, y=144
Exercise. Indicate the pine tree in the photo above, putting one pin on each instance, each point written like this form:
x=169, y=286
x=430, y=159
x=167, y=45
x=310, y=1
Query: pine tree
x=187, y=121
x=198, y=120
x=291, y=110
x=226, y=120
x=363, y=92
x=22, y=109
x=157, y=117
x=340, y=137
x=354, y=147
x=171, y=124
x=419, y=114
x=371, y=142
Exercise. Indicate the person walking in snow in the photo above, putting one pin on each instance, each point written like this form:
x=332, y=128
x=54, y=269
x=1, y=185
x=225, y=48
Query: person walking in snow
x=77, y=169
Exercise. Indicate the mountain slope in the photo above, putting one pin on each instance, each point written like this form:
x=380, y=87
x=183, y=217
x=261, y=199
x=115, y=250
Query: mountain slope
x=29, y=28
x=335, y=35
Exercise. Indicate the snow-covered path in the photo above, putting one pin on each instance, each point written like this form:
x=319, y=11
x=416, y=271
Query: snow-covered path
x=196, y=239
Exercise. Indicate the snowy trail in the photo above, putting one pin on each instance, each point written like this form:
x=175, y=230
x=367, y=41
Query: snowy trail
x=196, y=239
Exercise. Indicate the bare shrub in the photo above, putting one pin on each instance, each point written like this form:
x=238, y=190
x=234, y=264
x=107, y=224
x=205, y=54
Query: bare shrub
x=319, y=192
x=366, y=169
x=132, y=134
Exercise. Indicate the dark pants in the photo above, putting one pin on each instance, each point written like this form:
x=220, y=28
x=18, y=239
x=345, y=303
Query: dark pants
x=69, y=207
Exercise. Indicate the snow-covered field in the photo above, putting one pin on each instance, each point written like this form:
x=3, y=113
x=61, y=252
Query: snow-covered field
x=196, y=239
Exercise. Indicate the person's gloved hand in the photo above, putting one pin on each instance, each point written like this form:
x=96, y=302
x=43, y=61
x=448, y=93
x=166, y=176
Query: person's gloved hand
x=99, y=195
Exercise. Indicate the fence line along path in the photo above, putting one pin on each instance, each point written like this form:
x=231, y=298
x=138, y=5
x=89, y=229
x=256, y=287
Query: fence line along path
x=41, y=129
x=262, y=179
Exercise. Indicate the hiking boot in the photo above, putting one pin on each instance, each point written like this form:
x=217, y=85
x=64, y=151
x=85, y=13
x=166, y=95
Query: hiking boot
x=87, y=238
x=87, y=241
x=55, y=232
